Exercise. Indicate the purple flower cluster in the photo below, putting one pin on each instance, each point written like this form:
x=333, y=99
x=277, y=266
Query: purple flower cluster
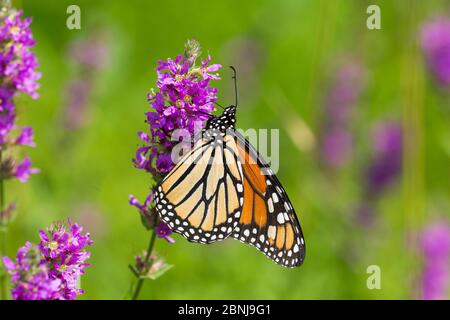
x=387, y=162
x=163, y=231
x=50, y=270
x=435, y=245
x=436, y=47
x=183, y=100
x=30, y=278
x=17, y=74
x=89, y=57
x=383, y=169
x=337, y=140
x=17, y=62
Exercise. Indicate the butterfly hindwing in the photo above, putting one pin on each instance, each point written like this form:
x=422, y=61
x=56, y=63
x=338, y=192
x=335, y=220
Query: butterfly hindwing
x=268, y=220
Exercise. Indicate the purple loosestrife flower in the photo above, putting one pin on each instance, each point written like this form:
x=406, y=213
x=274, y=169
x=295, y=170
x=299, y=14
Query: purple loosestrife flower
x=163, y=231
x=147, y=213
x=143, y=208
x=337, y=146
x=89, y=57
x=17, y=63
x=30, y=278
x=91, y=53
x=17, y=74
x=387, y=161
x=435, y=245
x=50, y=270
x=78, y=92
x=383, y=169
x=436, y=47
x=337, y=140
x=182, y=100
x=26, y=137
x=23, y=170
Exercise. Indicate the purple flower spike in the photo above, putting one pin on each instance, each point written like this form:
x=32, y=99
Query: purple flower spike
x=337, y=141
x=387, y=162
x=337, y=147
x=436, y=47
x=382, y=171
x=89, y=57
x=18, y=74
x=387, y=138
x=50, y=270
x=435, y=244
x=30, y=279
x=182, y=100
x=17, y=62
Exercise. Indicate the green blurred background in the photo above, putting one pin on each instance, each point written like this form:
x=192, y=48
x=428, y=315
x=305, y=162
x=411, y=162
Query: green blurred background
x=286, y=53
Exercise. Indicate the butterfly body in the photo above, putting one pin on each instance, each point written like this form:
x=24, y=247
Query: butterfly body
x=222, y=188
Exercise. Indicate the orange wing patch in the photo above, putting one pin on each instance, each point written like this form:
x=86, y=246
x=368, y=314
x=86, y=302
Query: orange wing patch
x=289, y=236
x=254, y=207
x=247, y=208
x=252, y=170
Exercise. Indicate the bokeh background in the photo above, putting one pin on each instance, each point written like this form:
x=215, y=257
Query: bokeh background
x=364, y=131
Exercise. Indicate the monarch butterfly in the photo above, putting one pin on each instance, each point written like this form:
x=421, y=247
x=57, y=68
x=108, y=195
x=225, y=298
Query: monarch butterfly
x=222, y=188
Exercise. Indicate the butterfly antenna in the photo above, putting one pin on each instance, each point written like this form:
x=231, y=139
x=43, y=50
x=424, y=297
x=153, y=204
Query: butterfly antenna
x=235, y=85
x=205, y=113
x=218, y=104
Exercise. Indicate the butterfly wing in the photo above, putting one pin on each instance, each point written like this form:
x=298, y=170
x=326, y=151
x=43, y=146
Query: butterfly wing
x=268, y=220
x=201, y=198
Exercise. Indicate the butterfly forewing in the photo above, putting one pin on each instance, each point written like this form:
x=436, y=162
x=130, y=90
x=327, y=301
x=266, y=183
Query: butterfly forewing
x=201, y=198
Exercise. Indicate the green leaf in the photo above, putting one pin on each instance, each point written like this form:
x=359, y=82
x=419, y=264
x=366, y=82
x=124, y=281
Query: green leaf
x=160, y=272
x=134, y=270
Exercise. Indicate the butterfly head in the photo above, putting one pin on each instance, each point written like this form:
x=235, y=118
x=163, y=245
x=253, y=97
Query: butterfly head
x=224, y=122
x=230, y=111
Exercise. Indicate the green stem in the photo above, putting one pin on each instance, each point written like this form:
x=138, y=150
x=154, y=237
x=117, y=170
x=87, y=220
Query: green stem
x=3, y=231
x=140, y=282
x=414, y=197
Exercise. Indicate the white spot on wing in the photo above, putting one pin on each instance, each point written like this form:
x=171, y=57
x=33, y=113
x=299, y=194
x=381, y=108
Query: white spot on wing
x=271, y=232
x=280, y=218
x=270, y=205
x=275, y=197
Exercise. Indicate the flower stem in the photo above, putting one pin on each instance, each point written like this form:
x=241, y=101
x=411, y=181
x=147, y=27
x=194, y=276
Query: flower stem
x=147, y=264
x=3, y=231
x=414, y=151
